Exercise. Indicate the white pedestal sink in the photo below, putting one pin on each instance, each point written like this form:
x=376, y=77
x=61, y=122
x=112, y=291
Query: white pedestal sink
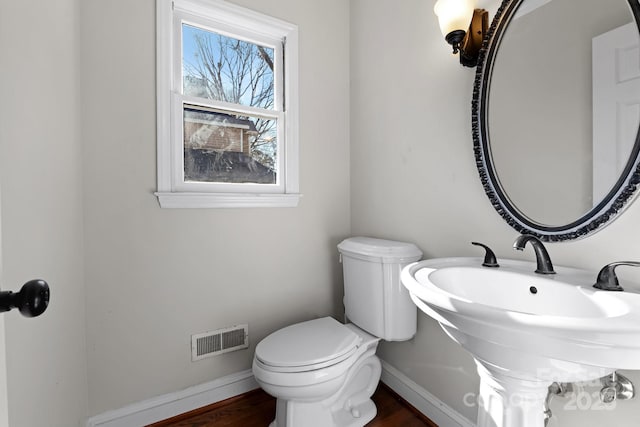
x=527, y=330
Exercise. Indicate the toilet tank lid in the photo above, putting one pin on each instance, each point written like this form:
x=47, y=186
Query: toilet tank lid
x=380, y=249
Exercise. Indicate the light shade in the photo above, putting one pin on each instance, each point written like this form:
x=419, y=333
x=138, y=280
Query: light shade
x=454, y=14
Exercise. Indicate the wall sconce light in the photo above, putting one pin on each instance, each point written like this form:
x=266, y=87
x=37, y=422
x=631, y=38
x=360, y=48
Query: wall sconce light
x=454, y=17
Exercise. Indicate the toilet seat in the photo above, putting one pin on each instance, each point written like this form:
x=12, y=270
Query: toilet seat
x=307, y=346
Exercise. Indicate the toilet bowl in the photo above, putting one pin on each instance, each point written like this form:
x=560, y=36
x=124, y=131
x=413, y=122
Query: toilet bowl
x=322, y=372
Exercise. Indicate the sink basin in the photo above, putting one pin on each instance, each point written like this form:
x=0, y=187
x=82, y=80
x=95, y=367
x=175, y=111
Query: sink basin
x=508, y=291
x=527, y=330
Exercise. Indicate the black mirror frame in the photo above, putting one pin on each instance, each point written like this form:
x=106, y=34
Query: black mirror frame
x=621, y=195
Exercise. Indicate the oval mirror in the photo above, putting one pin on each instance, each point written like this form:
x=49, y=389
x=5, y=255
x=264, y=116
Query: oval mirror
x=556, y=114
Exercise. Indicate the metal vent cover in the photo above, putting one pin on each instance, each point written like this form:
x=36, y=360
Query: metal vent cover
x=220, y=341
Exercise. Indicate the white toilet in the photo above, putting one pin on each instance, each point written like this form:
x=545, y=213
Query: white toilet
x=323, y=372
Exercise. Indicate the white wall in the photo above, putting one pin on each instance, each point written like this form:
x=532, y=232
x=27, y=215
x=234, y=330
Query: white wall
x=413, y=177
x=40, y=172
x=155, y=276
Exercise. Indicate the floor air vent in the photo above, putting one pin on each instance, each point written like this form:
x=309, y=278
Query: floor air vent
x=218, y=342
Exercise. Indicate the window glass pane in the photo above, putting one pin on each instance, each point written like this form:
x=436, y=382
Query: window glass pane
x=226, y=69
x=229, y=148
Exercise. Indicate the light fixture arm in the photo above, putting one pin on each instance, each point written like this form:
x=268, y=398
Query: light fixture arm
x=468, y=43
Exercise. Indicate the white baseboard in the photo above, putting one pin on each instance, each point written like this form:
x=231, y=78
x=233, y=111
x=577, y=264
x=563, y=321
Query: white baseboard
x=172, y=404
x=425, y=402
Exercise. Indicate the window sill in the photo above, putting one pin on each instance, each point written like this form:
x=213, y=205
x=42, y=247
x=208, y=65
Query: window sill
x=227, y=200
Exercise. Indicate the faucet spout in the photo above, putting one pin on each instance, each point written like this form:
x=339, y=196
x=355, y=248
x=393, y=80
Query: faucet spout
x=543, y=261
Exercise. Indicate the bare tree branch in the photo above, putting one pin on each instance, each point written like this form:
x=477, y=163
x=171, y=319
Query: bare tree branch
x=238, y=72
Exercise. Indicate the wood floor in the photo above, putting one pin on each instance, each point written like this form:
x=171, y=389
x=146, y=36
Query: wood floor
x=257, y=409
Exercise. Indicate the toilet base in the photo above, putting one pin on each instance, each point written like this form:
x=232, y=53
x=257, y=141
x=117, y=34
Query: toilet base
x=365, y=411
x=351, y=406
x=343, y=418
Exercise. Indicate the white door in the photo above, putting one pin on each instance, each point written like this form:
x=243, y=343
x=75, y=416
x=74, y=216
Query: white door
x=4, y=406
x=616, y=104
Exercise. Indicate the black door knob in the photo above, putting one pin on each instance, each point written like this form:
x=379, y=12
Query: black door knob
x=32, y=299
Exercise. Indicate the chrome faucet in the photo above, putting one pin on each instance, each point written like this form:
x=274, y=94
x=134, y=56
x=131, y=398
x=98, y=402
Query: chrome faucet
x=544, y=265
x=607, y=279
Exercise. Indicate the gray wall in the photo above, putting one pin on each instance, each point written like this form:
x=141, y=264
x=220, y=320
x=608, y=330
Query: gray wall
x=413, y=177
x=155, y=276
x=78, y=172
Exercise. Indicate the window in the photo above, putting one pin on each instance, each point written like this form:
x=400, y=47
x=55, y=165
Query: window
x=227, y=107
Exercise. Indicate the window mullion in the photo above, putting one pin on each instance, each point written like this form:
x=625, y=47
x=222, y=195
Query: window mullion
x=230, y=107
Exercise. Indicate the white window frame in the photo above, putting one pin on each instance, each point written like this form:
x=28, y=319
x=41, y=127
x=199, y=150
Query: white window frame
x=241, y=23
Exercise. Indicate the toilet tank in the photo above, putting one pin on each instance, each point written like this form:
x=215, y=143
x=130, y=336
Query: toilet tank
x=374, y=298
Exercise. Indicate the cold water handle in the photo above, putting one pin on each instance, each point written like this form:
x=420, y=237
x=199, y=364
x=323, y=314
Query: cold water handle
x=32, y=299
x=608, y=280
